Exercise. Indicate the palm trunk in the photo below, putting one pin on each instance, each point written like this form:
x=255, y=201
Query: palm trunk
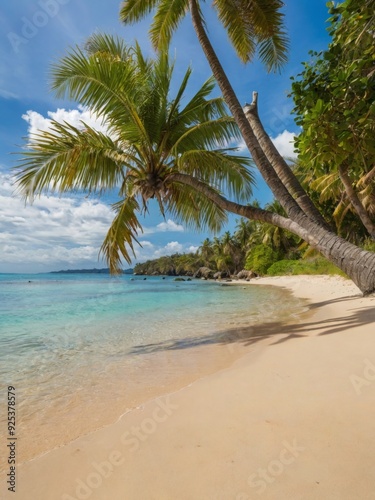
x=265, y=168
x=280, y=166
x=358, y=264
x=367, y=178
x=278, y=188
x=355, y=201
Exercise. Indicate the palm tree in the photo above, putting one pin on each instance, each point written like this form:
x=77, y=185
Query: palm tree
x=276, y=237
x=252, y=26
x=206, y=252
x=234, y=252
x=151, y=138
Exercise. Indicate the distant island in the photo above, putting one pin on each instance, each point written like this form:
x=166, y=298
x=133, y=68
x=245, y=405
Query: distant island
x=89, y=271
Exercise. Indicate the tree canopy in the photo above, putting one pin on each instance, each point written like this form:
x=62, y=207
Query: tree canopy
x=334, y=100
x=151, y=136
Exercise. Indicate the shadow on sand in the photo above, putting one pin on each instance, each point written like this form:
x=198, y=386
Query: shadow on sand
x=252, y=334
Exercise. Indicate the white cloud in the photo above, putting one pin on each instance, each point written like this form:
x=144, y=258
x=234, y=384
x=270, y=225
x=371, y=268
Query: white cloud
x=284, y=143
x=163, y=227
x=151, y=251
x=50, y=231
x=170, y=225
x=170, y=248
x=56, y=233
x=75, y=117
x=174, y=246
x=192, y=249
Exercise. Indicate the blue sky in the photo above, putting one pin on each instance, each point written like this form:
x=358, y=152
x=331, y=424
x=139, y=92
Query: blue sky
x=58, y=233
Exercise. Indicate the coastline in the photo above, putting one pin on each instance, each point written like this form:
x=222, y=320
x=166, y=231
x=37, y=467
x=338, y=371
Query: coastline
x=128, y=365
x=292, y=418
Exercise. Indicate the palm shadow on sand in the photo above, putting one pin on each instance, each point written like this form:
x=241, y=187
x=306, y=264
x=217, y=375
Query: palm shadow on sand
x=279, y=331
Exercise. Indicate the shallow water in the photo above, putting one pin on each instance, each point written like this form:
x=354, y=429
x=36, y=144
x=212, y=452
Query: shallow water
x=82, y=349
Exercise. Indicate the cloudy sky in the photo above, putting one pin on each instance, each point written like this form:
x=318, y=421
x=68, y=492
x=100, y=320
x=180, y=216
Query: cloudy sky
x=57, y=233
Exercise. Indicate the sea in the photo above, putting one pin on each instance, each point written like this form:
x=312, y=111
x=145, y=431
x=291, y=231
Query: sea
x=80, y=350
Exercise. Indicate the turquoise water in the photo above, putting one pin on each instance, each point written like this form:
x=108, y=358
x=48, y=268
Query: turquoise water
x=73, y=342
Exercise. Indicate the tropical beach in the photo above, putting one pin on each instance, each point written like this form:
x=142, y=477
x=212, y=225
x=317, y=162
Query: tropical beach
x=74, y=345
x=233, y=368
x=291, y=417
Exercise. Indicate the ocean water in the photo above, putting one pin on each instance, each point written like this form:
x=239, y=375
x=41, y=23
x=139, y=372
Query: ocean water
x=81, y=349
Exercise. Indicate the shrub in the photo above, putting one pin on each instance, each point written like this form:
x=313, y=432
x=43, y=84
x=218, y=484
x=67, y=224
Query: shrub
x=260, y=258
x=315, y=266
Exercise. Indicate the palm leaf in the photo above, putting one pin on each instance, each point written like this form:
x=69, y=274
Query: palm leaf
x=194, y=209
x=167, y=18
x=132, y=11
x=253, y=25
x=234, y=18
x=66, y=158
x=226, y=172
x=122, y=233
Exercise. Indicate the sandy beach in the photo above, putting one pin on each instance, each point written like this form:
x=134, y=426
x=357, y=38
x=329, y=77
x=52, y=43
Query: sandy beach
x=292, y=418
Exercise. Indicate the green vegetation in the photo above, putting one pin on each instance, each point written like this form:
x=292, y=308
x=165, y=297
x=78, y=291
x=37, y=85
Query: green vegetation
x=173, y=265
x=155, y=145
x=334, y=100
x=174, y=150
x=308, y=266
x=260, y=258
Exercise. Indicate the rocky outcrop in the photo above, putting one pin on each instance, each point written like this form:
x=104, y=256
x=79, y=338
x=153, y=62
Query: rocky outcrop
x=246, y=275
x=204, y=272
x=221, y=275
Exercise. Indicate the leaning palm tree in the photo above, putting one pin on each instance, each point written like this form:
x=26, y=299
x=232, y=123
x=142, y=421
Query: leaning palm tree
x=151, y=138
x=257, y=27
x=254, y=27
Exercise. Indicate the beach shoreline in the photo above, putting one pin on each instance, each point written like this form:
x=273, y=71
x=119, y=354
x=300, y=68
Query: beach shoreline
x=291, y=418
x=131, y=364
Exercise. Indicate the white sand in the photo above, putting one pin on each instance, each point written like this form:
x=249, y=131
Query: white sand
x=292, y=419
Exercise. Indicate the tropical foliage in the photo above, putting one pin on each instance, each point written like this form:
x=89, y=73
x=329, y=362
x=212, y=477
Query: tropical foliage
x=151, y=136
x=252, y=252
x=335, y=106
x=254, y=28
x=159, y=148
x=246, y=30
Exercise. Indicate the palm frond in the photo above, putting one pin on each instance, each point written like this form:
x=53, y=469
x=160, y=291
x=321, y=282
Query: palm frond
x=273, y=51
x=207, y=135
x=256, y=25
x=229, y=173
x=167, y=17
x=104, y=83
x=273, y=42
x=122, y=233
x=66, y=158
x=340, y=211
x=113, y=46
x=234, y=16
x=194, y=209
x=328, y=186
x=132, y=11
